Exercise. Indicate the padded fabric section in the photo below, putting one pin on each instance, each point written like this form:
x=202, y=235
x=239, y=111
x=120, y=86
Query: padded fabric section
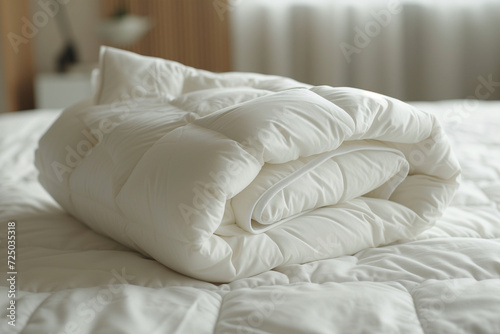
x=157, y=168
x=445, y=280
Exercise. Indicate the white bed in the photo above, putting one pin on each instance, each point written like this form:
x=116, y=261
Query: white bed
x=70, y=279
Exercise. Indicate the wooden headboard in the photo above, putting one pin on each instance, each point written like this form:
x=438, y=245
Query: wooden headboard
x=192, y=32
x=18, y=68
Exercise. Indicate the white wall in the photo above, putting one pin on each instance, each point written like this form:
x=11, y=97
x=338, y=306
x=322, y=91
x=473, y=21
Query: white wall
x=83, y=16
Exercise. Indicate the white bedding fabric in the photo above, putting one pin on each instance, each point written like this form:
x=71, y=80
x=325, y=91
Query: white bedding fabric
x=269, y=169
x=73, y=280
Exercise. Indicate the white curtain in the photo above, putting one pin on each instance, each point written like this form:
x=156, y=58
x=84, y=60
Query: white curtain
x=412, y=50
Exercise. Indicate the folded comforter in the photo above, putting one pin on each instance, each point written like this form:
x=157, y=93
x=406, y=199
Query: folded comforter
x=226, y=175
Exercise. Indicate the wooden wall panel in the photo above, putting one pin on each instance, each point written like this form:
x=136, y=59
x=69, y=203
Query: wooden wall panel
x=17, y=47
x=188, y=31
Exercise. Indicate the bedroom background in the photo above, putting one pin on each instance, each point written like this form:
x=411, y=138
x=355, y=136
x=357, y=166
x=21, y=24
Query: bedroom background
x=409, y=49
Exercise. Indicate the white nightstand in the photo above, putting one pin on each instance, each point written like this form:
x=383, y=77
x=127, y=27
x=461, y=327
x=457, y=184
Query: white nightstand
x=60, y=90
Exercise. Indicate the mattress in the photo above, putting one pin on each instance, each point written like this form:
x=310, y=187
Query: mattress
x=67, y=278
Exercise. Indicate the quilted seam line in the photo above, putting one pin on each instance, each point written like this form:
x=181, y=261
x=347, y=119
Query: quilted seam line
x=132, y=170
x=214, y=331
x=34, y=311
x=416, y=312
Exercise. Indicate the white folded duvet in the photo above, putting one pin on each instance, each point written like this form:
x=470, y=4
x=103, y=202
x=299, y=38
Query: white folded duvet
x=221, y=176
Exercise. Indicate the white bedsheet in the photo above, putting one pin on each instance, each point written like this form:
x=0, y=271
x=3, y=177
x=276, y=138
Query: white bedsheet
x=73, y=280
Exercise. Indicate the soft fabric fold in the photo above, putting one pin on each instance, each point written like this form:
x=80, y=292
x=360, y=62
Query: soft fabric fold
x=225, y=175
x=282, y=192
